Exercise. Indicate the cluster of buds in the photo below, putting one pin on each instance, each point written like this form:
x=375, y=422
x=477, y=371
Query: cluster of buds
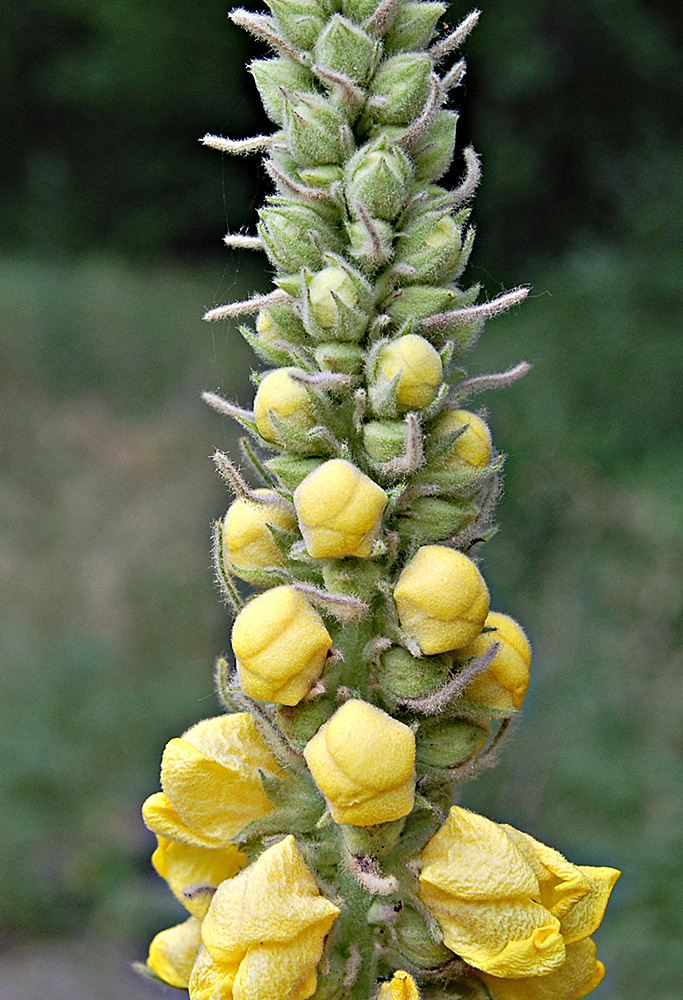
x=310, y=826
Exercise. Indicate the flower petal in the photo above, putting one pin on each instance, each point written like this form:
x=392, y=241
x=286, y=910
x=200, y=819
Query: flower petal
x=173, y=951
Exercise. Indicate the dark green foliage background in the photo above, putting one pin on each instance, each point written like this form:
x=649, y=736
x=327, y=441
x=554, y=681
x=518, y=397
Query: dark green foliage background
x=111, y=216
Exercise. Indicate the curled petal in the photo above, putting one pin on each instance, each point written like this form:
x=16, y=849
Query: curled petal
x=173, y=951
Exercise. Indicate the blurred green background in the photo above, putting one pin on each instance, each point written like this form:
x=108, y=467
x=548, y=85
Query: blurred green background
x=111, y=220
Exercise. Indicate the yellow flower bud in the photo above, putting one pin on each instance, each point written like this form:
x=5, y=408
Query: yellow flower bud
x=472, y=447
x=442, y=599
x=401, y=987
x=420, y=370
x=247, y=542
x=578, y=976
x=281, y=645
x=339, y=510
x=263, y=935
x=211, y=790
x=327, y=285
x=505, y=681
x=268, y=330
x=507, y=904
x=280, y=395
x=362, y=760
x=173, y=952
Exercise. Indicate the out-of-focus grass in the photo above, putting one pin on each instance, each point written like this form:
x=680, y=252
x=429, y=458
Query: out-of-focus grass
x=111, y=623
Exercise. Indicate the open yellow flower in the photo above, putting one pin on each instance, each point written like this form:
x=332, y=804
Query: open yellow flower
x=339, y=510
x=579, y=975
x=264, y=933
x=211, y=790
x=505, y=681
x=281, y=645
x=173, y=952
x=508, y=905
x=247, y=541
x=363, y=762
x=401, y=987
x=441, y=598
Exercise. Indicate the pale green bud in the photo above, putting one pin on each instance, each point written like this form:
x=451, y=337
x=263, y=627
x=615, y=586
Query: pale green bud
x=432, y=244
x=335, y=357
x=371, y=241
x=313, y=129
x=448, y=743
x=404, y=676
x=272, y=76
x=385, y=439
x=321, y=176
x=430, y=519
x=288, y=229
x=345, y=48
x=337, y=302
x=415, y=941
x=278, y=323
x=434, y=153
x=413, y=26
x=399, y=89
x=300, y=21
x=420, y=301
x=292, y=470
x=379, y=176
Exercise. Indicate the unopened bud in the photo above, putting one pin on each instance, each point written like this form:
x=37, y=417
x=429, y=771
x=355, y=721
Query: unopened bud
x=404, y=676
x=418, y=367
x=385, y=439
x=430, y=519
x=321, y=176
x=434, y=153
x=399, y=89
x=378, y=176
x=247, y=541
x=420, y=301
x=279, y=396
x=371, y=241
x=272, y=77
x=415, y=940
x=431, y=245
x=279, y=324
x=472, y=446
x=344, y=358
x=313, y=129
x=448, y=743
x=359, y=10
x=345, y=48
x=293, y=234
x=300, y=21
x=442, y=599
x=413, y=26
x=504, y=683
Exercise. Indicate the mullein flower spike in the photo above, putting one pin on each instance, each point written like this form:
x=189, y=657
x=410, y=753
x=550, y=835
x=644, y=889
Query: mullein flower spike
x=306, y=831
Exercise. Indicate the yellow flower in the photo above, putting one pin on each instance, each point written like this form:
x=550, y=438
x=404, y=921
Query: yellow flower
x=401, y=987
x=211, y=790
x=472, y=447
x=505, y=681
x=363, y=760
x=280, y=395
x=578, y=976
x=326, y=287
x=507, y=904
x=339, y=510
x=247, y=542
x=173, y=952
x=420, y=370
x=263, y=935
x=442, y=599
x=281, y=645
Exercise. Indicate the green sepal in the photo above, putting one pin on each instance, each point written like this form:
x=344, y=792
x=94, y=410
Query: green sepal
x=264, y=578
x=446, y=743
x=399, y=90
x=401, y=675
x=323, y=177
x=292, y=470
x=299, y=811
x=268, y=352
x=283, y=538
x=300, y=21
x=272, y=77
x=345, y=48
x=420, y=301
x=336, y=357
x=371, y=241
x=431, y=519
x=359, y=10
x=384, y=439
x=301, y=722
x=415, y=943
x=295, y=235
x=378, y=176
x=301, y=441
x=413, y=26
x=433, y=153
x=461, y=482
x=313, y=128
x=280, y=323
